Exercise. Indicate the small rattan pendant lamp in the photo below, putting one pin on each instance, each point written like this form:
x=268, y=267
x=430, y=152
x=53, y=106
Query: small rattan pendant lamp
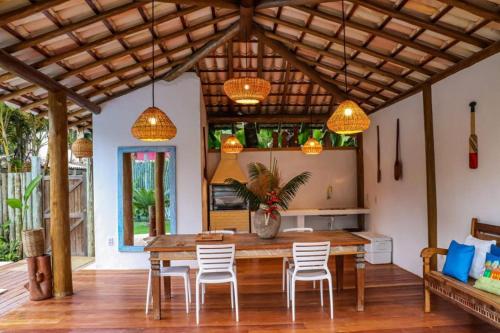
x=153, y=124
x=312, y=146
x=349, y=117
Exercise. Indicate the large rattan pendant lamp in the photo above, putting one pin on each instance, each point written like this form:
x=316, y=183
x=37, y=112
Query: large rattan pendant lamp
x=312, y=146
x=247, y=90
x=349, y=117
x=153, y=124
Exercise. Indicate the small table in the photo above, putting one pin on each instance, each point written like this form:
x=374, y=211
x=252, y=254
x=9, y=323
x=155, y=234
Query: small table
x=250, y=246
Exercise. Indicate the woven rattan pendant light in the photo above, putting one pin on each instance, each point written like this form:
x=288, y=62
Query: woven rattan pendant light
x=82, y=148
x=349, y=117
x=312, y=146
x=232, y=145
x=247, y=90
x=153, y=124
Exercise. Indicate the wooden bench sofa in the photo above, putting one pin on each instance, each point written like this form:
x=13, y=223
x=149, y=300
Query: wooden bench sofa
x=482, y=304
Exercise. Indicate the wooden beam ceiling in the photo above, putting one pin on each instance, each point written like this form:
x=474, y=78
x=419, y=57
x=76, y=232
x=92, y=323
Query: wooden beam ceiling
x=229, y=4
x=226, y=35
x=474, y=9
x=264, y=4
x=266, y=119
x=28, y=10
x=246, y=19
x=30, y=74
x=292, y=59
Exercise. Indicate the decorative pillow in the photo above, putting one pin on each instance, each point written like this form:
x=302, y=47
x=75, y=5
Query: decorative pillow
x=458, y=261
x=482, y=247
x=490, y=281
x=495, y=250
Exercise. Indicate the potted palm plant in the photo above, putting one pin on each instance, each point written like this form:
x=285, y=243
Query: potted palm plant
x=266, y=194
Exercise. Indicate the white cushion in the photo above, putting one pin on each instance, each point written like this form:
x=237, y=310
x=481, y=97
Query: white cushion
x=481, y=248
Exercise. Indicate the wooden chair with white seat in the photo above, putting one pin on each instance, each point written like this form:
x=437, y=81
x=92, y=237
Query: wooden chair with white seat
x=216, y=265
x=289, y=261
x=311, y=264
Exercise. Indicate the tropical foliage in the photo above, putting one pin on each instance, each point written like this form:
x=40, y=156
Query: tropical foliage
x=22, y=203
x=265, y=136
x=21, y=135
x=266, y=186
x=9, y=250
x=142, y=199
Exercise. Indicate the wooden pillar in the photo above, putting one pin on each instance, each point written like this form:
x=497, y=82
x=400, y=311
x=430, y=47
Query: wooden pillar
x=89, y=174
x=59, y=195
x=159, y=193
x=128, y=215
x=360, y=180
x=430, y=172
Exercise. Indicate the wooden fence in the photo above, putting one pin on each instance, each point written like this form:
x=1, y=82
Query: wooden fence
x=12, y=185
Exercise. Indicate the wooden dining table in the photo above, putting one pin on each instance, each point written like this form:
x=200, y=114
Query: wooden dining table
x=166, y=248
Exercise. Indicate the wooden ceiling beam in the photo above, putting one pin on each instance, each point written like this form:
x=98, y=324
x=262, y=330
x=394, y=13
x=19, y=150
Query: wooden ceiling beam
x=285, y=86
x=71, y=27
x=111, y=58
x=267, y=119
x=367, y=67
x=471, y=8
x=370, y=4
x=226, y=35
x=30, y=74
x=292, y=59
x=229, y=4
x=381, y=33
x=246, y=19
x=105, y=40
x=28, y=10
x=264, y=4
x=353, y=46
x=477, y=57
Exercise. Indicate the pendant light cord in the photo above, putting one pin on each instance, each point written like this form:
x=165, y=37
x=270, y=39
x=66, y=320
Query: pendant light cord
x=153, y=47
x=345, y=52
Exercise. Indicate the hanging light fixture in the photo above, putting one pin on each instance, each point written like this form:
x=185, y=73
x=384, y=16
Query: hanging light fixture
x=232, y=145
x=153, y=124
x=82, y=148
x=247, y=90
x=312, y=146
x=349, y=117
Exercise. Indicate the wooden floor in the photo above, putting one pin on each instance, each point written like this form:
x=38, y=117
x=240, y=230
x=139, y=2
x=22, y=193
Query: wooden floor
x=113, y=301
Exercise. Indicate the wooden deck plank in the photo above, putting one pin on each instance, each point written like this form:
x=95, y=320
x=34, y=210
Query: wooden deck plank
x=113, y=301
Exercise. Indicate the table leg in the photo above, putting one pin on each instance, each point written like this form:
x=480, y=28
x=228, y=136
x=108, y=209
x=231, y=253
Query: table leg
x=155, y=268
x=339, y=273
x=167, y=291
x=360, y=280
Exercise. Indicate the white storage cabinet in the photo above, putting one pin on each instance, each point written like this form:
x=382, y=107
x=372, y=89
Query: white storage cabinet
x=379, y=251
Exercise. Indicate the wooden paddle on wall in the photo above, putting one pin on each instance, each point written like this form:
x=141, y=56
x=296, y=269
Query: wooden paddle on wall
x=379, y=172
x=398, y=165
x=473, y=155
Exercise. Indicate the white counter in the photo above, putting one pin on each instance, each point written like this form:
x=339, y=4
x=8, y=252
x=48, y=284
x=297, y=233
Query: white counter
x=300, y=214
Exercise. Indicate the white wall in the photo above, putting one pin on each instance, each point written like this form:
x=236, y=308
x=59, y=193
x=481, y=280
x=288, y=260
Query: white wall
x=463, y=193
x=181, y=101
x=332, y=167
x=398, y=209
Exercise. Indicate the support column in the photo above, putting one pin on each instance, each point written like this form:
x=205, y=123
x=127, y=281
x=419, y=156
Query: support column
x=430, y=172
x=90, y=207
x=159, y=193
x=360, y=180
x=128, y=215
x=59, y=195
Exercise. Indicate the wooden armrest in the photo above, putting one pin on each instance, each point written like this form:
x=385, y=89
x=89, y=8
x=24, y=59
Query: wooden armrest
x=428, y=252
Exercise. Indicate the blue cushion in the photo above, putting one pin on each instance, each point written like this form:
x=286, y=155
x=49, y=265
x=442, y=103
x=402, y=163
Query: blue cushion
x=458, y=261
x=495, y=250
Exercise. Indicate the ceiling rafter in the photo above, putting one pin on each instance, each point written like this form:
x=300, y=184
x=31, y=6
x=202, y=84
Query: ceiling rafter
x=479, y=11
x=28, y=10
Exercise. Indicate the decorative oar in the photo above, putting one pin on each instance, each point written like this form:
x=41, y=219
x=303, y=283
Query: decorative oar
x=379, y=172
x=398, y=165
x=473, y=157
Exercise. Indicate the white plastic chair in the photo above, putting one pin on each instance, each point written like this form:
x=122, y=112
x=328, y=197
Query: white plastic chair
x=311, y=264
x=216, y=266
x=171, y=271
x=289, y=261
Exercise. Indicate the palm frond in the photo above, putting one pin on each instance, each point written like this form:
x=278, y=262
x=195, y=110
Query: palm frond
x=244, y=193
x=289, y=190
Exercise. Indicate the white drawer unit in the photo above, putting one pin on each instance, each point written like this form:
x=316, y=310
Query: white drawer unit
x=379, y=251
